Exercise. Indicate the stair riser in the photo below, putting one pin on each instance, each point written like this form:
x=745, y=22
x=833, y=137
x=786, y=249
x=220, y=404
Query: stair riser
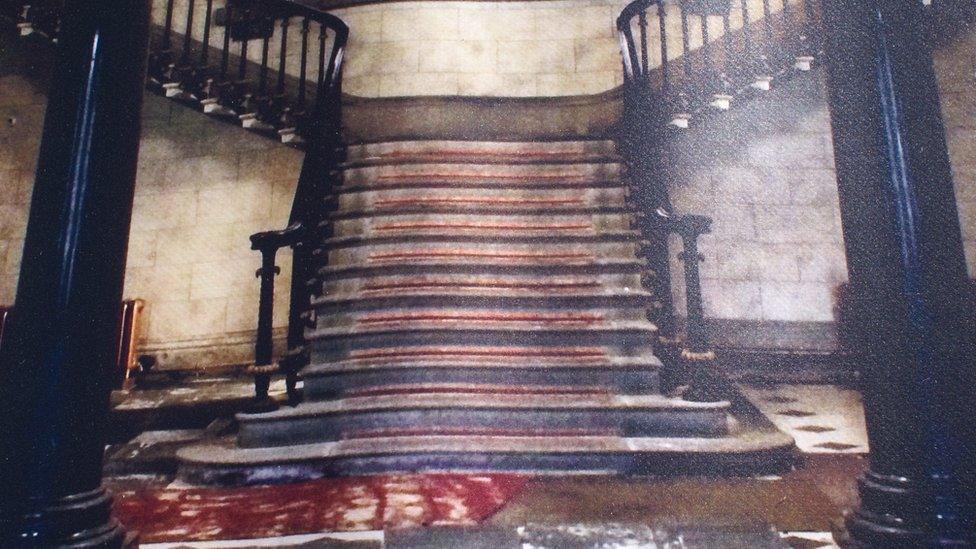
x=394, y=151
x=632, y=381
x=631, y=267
x=429, y=317
x=284, y=432
x=566, y=224
x=326, y=347
x=556, y=463
x=482, y=173
x=485, y=236
x=515, y=254
x=395, y=199
x=389, y=286
x=477, y=300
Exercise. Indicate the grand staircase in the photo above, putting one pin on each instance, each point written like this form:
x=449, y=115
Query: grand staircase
x=481, y=307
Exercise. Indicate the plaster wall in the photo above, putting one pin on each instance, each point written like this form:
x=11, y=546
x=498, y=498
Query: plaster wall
x=202, y=188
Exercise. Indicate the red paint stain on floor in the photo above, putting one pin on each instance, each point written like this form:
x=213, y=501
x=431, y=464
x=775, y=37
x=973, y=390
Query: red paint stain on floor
x=328, y=505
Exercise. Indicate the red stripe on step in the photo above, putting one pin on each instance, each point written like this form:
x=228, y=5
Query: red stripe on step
x=472, y=152
x=478, y=389
x=486, y=255
x=497, y=317
x=477, y=431
x=525, y=177
x=568, y=286
x=490, y=352
x=462, y=200
x=402, y=226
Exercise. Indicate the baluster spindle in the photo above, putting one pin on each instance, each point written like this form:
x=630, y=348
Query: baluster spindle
x=303, y=70
x=665, y=64
x=685, y=45
x=225, y=54
x=746, y=31
x=282, y=57
x=242, y=62
x=642, y=25
x=768, y=22
x=205, y=46
x=168, y=24
x=708, y=64
x=331, y=78
x=263, y=78
x=188, y=35
x=727, y=40
x=319, y=96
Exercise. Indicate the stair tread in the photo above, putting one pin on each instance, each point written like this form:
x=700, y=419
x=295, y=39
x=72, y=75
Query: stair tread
x=480, y=210
x=481, y=158
x=358, y=365
x=633, y=299
x=381, y=147
x=225, y=452
x=439, y=400
x=434, y=265
x=475, y=326
x=477, y=184
x=450, y=234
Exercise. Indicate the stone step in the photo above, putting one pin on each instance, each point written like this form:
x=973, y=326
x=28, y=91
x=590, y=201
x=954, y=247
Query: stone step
x=517, y=224
x=476, y=183
x=570, y=174
x=474, y=210
x=486, y=355
x=631, y=375
x=466, y=300
x=406, y=152
x=632, y=415
x=462, y=265
x=224, y=463
x=336, y=342
x=482, y=285
x=438, y=234
x=488, y=198
x=490, y=252
x=479, y=315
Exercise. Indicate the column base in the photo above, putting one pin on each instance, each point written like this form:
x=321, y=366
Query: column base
x=79, y=521
x=896, y=512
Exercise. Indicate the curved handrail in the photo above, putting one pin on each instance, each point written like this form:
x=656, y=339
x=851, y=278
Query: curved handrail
x=631, y=58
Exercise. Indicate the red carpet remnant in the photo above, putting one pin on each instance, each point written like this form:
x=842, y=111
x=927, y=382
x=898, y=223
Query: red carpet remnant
x=327, y=505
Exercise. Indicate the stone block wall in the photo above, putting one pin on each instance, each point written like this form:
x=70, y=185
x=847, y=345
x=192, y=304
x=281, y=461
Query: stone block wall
x=765, y=173
x=203, y=188
x=476, y=48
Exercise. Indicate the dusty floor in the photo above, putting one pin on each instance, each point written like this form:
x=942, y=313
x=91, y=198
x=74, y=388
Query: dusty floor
x=793, y=509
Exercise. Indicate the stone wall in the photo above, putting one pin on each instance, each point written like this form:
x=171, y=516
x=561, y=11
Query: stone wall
x=203, y=187
x=474, y=48
x=765, y=173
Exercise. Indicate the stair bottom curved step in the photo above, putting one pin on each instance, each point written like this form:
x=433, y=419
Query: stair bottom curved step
x=222, y=463
x=663, y=422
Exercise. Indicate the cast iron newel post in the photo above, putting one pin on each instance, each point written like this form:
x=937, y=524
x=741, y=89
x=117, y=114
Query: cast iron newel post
x=697, y=354
x=60, y=346
x=908, y=275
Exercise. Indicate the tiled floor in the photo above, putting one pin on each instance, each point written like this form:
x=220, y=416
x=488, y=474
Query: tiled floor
x=826, y=421
x=821, y=418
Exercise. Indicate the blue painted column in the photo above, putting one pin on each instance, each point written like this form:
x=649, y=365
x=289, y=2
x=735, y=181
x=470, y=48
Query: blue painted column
x=60, y=340
x=908, y=277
